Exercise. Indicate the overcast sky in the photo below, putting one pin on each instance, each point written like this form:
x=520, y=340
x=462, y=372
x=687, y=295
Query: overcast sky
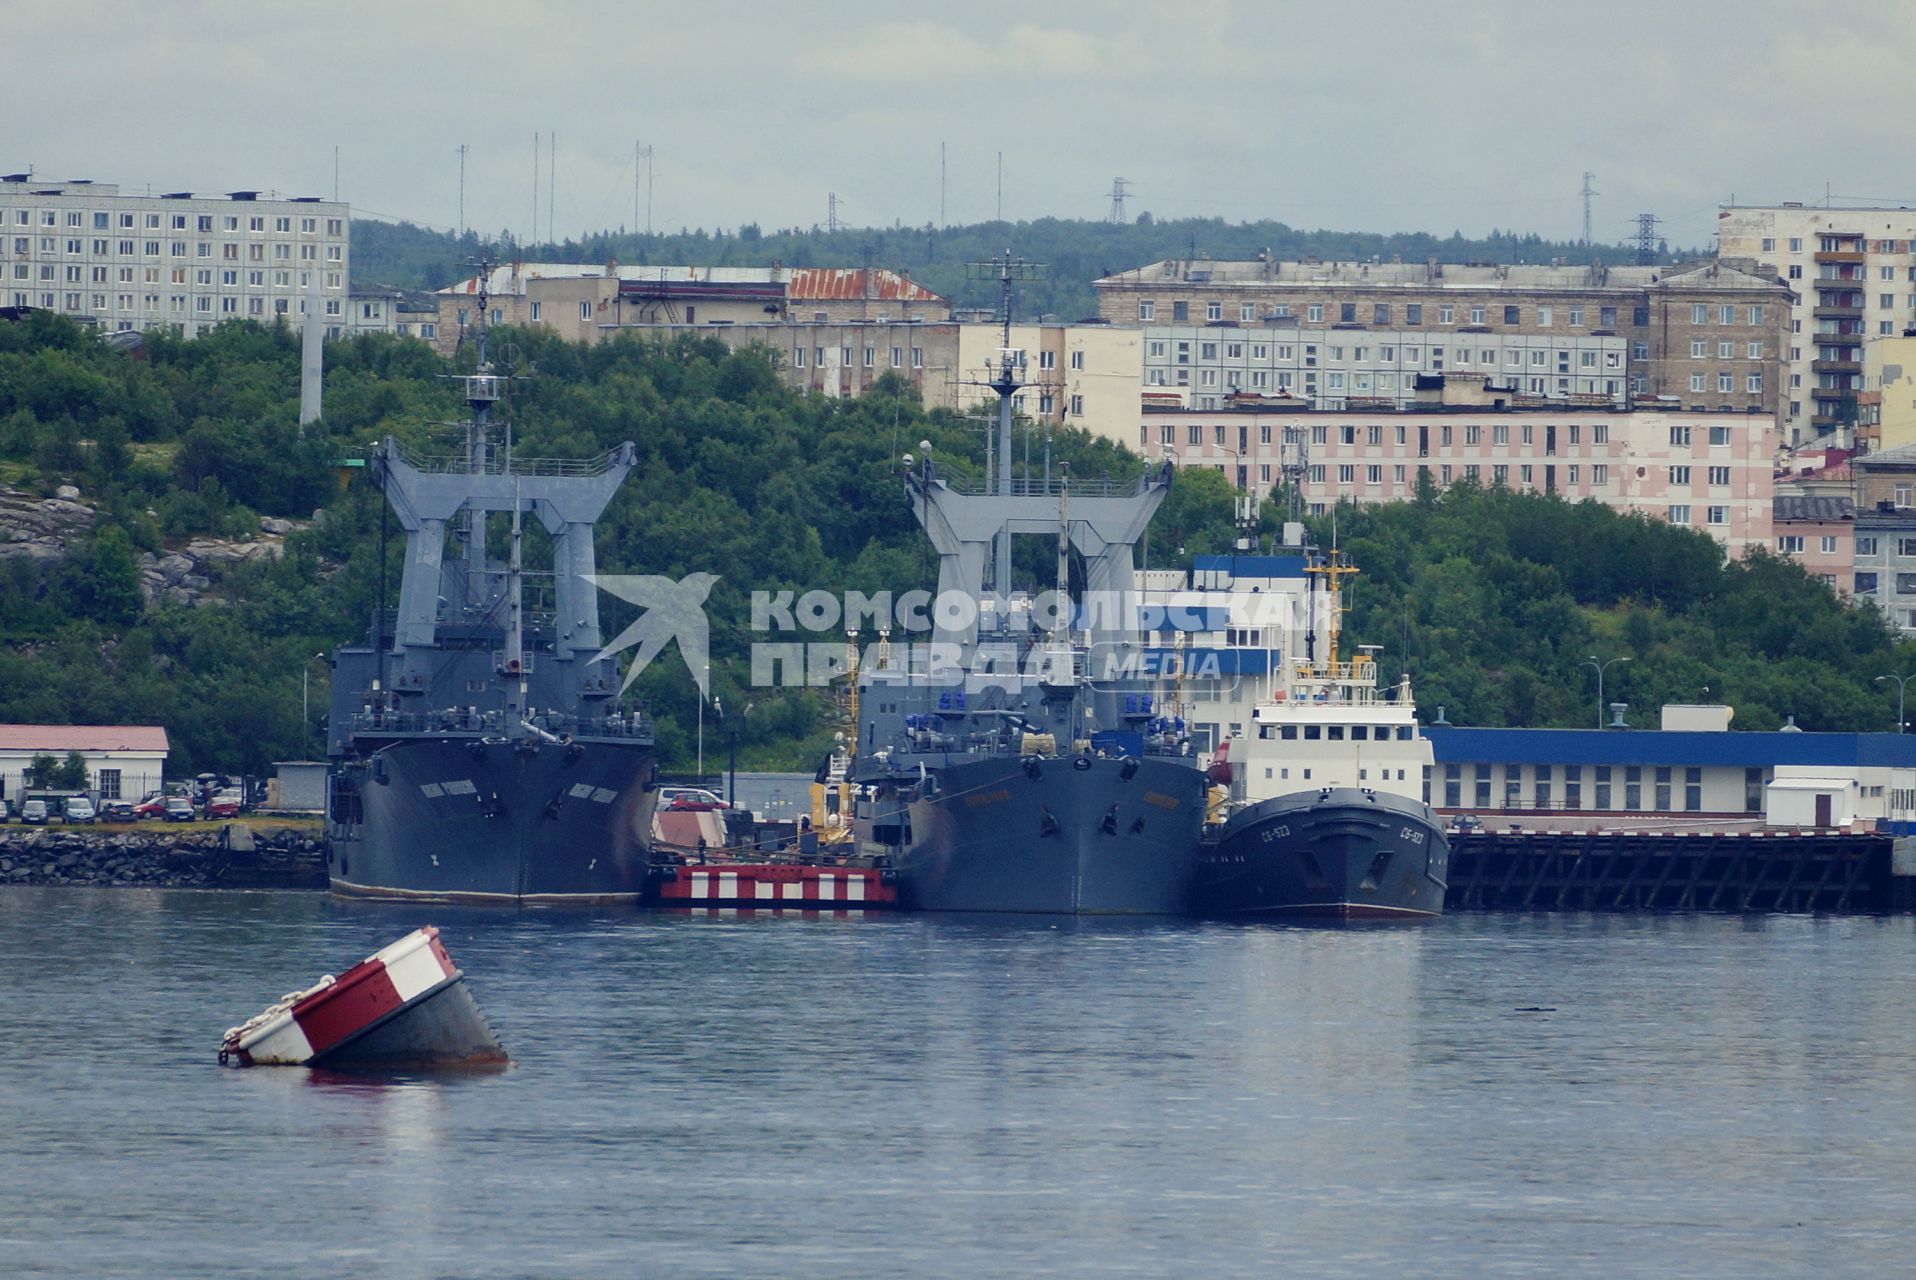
x=1388, y=116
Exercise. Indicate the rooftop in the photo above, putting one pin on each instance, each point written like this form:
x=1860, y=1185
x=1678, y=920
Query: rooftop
x=1466, y=277
x=58, y=739
x=799, y=283
x=1672, y=747
x=1823, y=510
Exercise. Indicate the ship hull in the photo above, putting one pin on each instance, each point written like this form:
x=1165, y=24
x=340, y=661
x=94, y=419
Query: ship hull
x=458, y=821
x=1052, y=837
x=1342, y=853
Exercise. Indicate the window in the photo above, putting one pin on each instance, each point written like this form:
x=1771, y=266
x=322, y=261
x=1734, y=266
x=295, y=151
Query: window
x=1716, y=515
x=1380, y=313
x=798, y=357
x=1246, y=312
x=1213, y=311
x=917, y=357
x=1680, y=514
x=1413, y=313
x=1698, y=382
x=1790, y=544
x=1544, y=317
x=1754, y=384
x=1756, y=315
x=1679, y=437
x=1315, y=313
x=1446, y=315
x=1719, y=475
x=1725, y=383
x=1077, y=360
x=109, y=780
x=1906, y=546
x=897, y=357
x=1865, y=584
x=1077, y=406
x=1865, y=546
x=1147, y=309
x=1828, y=544
x=1513, y=315
x=1633, y=787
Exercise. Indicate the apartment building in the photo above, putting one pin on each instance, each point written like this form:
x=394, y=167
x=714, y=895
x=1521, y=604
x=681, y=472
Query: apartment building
x=1853, y=274
x=591, y=303
x=1819, y=532
x=1709, y=336
x=1074, y=375
x=131, y=262
x=1377, y=368
x=1709, y=470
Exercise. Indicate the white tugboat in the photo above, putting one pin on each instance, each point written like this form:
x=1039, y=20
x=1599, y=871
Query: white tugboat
x=1326, y=814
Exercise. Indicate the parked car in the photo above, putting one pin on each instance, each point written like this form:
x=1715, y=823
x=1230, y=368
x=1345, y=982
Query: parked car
x=179, y=809
x=151, y=805
x=5, y=811
x=116, y=811
x=224, y=805
x=690, y=798
x=34, y=813
x=75, y=810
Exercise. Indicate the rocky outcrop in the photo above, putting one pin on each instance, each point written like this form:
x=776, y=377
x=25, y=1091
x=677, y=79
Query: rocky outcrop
x=183, y=576
x=226, y=856
x=41, y=528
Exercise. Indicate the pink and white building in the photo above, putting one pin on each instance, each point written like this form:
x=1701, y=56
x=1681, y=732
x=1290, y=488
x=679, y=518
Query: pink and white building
x=1712, y=471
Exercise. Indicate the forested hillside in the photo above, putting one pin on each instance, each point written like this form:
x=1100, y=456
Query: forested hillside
x=1077, y=252
x=1490, y=598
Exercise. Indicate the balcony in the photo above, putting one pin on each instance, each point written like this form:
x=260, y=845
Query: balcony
x=1838, y=255
x=1836, y=366
x=1846, y=284
x=1834, y=393
x=1837, y=313
x=1838, y=339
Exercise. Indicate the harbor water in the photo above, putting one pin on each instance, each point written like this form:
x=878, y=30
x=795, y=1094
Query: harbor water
x=693, y=1095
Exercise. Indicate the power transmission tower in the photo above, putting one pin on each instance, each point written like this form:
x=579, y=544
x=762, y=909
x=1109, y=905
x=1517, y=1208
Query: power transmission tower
x=832, y=224
x=1646, y=239
x=1118, y=186
x=1588, y=192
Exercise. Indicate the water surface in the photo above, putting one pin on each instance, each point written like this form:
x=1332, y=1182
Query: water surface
x=803, y=1096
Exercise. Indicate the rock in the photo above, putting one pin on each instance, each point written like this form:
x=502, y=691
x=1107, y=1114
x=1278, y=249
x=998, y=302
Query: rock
x=68, y=492
x=41, y=529
x=272, y=524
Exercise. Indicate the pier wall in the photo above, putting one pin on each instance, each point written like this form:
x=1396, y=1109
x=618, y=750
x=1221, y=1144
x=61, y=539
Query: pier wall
x=226, y=856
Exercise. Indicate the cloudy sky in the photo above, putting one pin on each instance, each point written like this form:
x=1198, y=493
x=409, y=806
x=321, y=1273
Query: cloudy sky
x=1393, y=115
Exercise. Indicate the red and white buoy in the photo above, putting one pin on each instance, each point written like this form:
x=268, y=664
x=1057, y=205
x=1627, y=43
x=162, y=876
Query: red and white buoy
x=404, y=1005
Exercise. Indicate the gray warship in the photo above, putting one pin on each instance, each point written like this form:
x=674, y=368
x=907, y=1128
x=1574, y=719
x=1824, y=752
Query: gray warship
x=1025, y=761
x=480, y=750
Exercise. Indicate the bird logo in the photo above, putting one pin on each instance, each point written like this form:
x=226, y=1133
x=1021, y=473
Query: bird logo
x=673, y=611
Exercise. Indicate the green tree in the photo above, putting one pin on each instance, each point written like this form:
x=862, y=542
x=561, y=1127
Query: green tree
x=43, y=772
x=71, y=773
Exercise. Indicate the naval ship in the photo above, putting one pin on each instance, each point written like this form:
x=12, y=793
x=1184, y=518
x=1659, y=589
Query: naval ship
x=1327, y=813
x=1025, y=762
x=480, y=750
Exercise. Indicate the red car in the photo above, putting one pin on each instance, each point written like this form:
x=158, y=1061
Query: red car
x=224, y=805
x=152, y=806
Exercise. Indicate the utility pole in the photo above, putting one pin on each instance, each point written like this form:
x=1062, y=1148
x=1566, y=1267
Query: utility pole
x=941, y=186
x=552, y=177
x=535, y=188
x=647, y=153
x=462, y=191
x=1588, y=192
x=1001, y=186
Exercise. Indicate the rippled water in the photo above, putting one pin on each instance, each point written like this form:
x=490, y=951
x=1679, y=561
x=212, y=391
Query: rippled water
x=942, y=1096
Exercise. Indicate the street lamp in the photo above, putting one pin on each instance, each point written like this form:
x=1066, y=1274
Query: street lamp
x=1900, y=682
x=1601, y=668
x=305, y=701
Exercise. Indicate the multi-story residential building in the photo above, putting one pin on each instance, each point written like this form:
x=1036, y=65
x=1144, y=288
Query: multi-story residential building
x=1885, y=533
x=1707, y=336
x=408, y=313
x=1886, y=409
x=1818, y=532
x=1075, y=375
x=1853, y=272
x=130, y=262
x=1377, y=368
x=1709, y=470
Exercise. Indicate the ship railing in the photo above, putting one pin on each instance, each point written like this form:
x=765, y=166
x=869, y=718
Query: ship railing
x=1039, y=487
x=495, y=463
x=460, y=722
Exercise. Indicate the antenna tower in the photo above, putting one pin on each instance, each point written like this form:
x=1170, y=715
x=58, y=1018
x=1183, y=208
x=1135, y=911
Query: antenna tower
x=1587, y=192
x=462, y=190
x=1006, y=379
x=642, y=153
x=1646, y=239
x=1118, y=186
x=832, y=224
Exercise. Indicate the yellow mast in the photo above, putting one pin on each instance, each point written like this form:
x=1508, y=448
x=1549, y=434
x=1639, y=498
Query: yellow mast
x=1333, y=571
